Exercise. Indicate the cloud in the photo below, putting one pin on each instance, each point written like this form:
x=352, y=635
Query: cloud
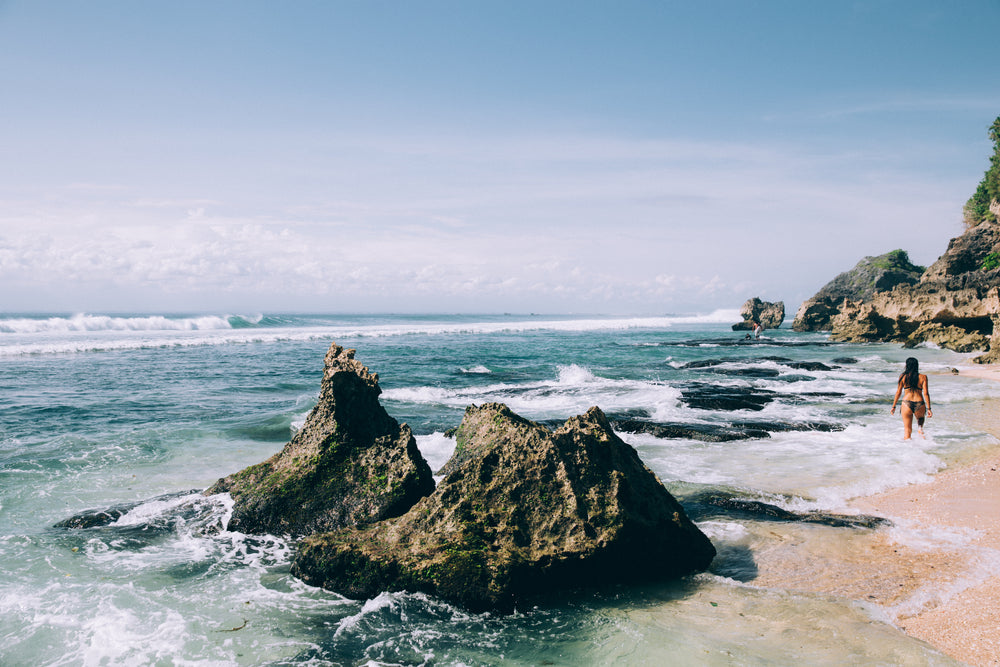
x=557, y=223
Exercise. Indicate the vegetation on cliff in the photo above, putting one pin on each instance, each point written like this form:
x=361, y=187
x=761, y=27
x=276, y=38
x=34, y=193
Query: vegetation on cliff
x=977, y=209
x=874, y=274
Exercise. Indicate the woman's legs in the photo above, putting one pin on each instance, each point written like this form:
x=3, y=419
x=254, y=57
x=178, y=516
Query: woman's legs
x=907, y=421
x=920, y=414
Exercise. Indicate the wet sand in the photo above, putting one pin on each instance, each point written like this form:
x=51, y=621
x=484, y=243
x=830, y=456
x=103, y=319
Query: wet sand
x=935, y=573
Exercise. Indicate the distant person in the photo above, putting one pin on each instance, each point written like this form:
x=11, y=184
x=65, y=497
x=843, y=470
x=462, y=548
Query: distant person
x=757, y=328
x=912, y=386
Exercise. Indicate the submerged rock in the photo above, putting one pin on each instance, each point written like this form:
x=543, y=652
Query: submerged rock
x=729, y=504
x=719, y=397
x=741, y=430
x=109, y=515
x=350, y=463
x=522, y=510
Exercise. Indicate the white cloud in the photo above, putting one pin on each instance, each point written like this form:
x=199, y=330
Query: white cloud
x=572, y=223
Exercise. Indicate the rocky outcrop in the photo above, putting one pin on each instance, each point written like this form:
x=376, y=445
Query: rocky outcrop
x=522, y=510
x=769, y=315
x=869, y=276
x=965, y=254
x=955, y=303
x=949, y=337
x=350, y=464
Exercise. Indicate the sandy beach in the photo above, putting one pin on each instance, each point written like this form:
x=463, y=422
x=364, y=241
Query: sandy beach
x=936, y=572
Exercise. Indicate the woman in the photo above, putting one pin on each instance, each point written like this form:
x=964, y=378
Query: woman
x=912, y=386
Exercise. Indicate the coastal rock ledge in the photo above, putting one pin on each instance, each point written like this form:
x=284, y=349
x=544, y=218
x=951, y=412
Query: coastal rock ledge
x=522, y=510
x=954, y=303
x=350, y=463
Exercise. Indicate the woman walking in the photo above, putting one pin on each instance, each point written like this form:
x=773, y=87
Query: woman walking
x=912, y=386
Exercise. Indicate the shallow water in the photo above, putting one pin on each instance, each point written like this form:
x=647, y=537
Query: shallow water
x=101, y=411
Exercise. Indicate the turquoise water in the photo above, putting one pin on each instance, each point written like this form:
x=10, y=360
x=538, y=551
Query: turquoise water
x=148, y=410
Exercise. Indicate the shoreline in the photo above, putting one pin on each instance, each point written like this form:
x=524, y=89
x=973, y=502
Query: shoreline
x=935, y=573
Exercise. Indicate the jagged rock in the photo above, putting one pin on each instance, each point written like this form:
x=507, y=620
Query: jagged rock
x=527, y=510
x=948, y=337
x=859, y=322
x=870, y=275
x=769, y=315
x=816, y=313
x=350, y=463
x=993, y=356
x=965, y=253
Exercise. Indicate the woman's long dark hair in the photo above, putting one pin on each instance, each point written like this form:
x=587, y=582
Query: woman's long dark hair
x=910, y=377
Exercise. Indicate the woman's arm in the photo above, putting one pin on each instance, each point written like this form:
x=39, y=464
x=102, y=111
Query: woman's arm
x=895, y=399
x=927, y=393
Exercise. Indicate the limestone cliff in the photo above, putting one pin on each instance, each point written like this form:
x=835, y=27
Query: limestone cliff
x=870, y=276
x=955, y=303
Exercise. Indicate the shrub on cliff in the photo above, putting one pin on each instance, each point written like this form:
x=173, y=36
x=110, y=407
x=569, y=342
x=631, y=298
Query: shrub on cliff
x=977, y=209
x=872, y=274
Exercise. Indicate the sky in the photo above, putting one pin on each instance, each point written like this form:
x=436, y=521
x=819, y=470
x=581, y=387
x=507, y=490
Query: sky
x=566, y=156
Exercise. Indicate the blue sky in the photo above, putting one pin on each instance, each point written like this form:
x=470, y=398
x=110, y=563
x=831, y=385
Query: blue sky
x=627, y=157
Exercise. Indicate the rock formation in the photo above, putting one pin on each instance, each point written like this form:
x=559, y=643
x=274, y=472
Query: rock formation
x=769, y=315
x=521, y=510
x=870, y=275
x=350, y=464
x=955, y=303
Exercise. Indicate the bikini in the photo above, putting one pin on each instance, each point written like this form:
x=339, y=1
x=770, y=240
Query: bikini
x=914, y=406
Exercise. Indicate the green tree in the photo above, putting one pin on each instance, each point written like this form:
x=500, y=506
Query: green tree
x=977, y=209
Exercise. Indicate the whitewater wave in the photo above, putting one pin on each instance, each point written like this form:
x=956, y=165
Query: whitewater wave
x=100, y=333
x=574, y=390
x=83, y=322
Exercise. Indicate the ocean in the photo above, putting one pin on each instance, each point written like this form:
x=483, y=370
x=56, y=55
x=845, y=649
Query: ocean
x=142, y=412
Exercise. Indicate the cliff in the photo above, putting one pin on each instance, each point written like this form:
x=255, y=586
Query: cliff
x=870, y=276
x=954, y=303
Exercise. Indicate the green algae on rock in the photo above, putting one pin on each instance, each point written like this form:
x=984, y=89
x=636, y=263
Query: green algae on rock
x=521, y=510
x=350, y=463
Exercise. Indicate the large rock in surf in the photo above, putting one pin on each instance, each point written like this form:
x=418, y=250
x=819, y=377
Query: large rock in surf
x=522, y=510
x=769, y=315
x=350, y=464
